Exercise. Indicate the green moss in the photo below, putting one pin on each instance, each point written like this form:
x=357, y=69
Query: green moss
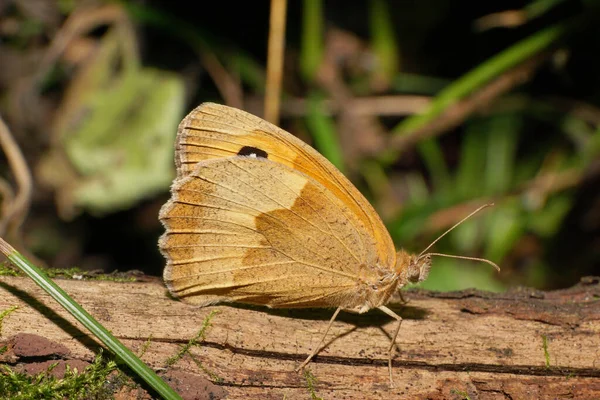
x=91, y=383
x=7, y=269
x=546, y=353
x=311, y=381
x=79, y=274
x=113, y=278
x=463, y=395
x=145, y=346
x=69, y=273
x=196, y=341
x=216, y=378
x=199, y=338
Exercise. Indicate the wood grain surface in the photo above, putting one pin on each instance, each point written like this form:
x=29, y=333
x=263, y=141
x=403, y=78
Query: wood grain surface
x=454, y=345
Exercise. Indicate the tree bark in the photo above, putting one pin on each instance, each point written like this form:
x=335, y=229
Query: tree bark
x=523, y=344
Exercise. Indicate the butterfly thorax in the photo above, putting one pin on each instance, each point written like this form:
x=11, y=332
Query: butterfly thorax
x=377, y=283
x=375, y=286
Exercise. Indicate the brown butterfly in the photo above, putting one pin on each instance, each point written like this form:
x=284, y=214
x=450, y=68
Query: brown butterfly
x=257, y=216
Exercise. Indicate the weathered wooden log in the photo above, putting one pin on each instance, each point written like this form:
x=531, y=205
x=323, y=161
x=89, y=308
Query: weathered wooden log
x=524, y=344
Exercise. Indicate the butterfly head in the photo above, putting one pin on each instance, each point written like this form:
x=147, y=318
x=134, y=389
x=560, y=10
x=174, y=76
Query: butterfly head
x=412, y=268
x=418, y=268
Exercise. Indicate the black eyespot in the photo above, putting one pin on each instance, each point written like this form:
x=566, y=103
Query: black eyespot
x=250, y=151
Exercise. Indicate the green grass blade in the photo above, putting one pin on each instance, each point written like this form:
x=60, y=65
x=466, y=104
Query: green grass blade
x=433, y=157
x=311, y=49
x=503, y=135
x=469, y=174
x=383, y=39
x=481, y=75
x=113, y=344
x=322, y=128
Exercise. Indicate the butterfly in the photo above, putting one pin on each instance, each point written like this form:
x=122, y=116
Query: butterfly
x=257, y=216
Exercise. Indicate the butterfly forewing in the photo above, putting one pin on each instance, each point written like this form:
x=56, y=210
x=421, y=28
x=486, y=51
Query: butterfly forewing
x=253, y=230
x=213, y=131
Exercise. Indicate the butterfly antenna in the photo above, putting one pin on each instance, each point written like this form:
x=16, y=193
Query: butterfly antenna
x=493, y=264
x=454, y=226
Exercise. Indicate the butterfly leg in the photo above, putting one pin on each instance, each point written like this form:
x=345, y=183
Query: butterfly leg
x=316, y=349
x=393, y=343
x=402, y=299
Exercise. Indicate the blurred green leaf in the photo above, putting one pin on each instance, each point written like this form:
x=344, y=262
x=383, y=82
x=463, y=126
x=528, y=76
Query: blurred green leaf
x=114, y=133
x=418, y=192
x=406, y=226
x=466, y=237
x=547, y=220
x=505, y=225
x=124, y=151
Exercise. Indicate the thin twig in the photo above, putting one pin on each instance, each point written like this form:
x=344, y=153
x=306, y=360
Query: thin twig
x=19, y=207
x=275, y=60
x=229, y=87
x=372, y=106
x=80, y=22
x=504, y=19
x=25, y=108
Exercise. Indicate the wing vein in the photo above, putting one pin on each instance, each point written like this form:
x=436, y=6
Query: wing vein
x=315, y=212
x=257, y=210
x=357, y=258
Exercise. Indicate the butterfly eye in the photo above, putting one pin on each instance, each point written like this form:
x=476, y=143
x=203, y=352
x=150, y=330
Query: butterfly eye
x=414, y=270
x=425, y=266
x=413, y=275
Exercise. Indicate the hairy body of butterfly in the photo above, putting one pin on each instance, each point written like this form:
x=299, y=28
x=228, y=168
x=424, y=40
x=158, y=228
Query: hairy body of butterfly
x=258, y=216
